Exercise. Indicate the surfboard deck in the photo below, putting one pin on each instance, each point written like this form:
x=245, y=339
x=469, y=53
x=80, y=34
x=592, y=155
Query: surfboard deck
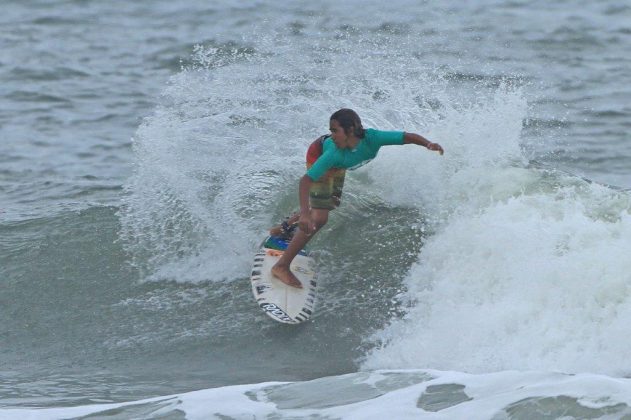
x=279, y=301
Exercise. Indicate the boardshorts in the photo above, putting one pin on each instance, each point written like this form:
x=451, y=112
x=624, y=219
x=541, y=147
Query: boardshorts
x=326, y=192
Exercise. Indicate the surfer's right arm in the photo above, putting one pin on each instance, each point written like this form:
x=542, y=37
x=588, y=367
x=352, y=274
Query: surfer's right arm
x=304, y=222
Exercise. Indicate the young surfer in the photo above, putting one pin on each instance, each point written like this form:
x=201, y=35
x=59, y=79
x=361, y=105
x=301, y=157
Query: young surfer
x=320, y=190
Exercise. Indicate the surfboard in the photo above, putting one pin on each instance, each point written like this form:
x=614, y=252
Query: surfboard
x=279, y=301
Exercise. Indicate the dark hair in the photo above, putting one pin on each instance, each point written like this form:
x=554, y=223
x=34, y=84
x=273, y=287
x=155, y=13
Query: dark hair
x=348, y=119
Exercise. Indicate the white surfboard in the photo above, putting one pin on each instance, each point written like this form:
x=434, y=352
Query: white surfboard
x=281, y=302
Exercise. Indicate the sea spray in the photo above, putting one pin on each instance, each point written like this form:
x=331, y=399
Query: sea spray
x=219, y=160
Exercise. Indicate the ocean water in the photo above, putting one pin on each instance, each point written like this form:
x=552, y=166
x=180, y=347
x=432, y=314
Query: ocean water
x=145, y=148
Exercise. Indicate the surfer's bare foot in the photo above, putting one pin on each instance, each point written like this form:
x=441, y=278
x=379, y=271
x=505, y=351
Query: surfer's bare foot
x=285, y=275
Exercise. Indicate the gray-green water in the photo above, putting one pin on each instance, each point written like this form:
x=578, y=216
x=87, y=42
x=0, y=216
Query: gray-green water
x=138, y=173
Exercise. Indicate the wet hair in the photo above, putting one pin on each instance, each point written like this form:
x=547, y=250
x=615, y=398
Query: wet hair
x=348, y=119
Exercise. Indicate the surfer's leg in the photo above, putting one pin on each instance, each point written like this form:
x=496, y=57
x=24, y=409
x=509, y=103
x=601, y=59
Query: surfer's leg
x=324, y=196
x=281, y=268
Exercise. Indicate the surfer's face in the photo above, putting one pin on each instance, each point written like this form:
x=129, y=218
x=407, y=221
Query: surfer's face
x=337, y=134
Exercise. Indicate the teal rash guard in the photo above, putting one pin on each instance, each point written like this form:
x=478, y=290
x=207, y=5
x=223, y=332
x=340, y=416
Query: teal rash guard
x=366, y=150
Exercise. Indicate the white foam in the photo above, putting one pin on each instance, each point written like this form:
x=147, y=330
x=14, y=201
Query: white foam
x=529, y=268
x=419, y=394
x=478, y=138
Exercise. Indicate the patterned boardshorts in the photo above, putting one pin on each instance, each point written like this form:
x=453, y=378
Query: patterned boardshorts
x=325, y=193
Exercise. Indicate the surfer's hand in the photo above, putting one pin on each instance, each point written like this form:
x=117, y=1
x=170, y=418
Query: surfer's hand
x=435, y=147
x=305, y=224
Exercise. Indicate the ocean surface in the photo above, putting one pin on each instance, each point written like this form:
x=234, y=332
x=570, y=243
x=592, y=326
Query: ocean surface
x=147, y=146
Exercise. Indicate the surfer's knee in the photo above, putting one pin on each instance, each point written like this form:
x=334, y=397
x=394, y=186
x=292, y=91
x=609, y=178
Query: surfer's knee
x=320, y=224
x=320, y=218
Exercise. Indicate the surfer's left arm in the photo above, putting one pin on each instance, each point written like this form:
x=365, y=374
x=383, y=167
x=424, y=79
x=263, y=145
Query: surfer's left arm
x=412, y=138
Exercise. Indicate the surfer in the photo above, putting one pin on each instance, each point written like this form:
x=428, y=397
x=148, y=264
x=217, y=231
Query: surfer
x=349, y=146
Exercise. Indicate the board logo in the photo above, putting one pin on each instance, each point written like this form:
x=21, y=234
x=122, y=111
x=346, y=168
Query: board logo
x=302, y=270
x=276, y=311
x=262, y=288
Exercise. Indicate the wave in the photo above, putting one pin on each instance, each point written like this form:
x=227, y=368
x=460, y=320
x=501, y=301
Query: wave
x=507, y=254
x=527, y=271
x=422, y=394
